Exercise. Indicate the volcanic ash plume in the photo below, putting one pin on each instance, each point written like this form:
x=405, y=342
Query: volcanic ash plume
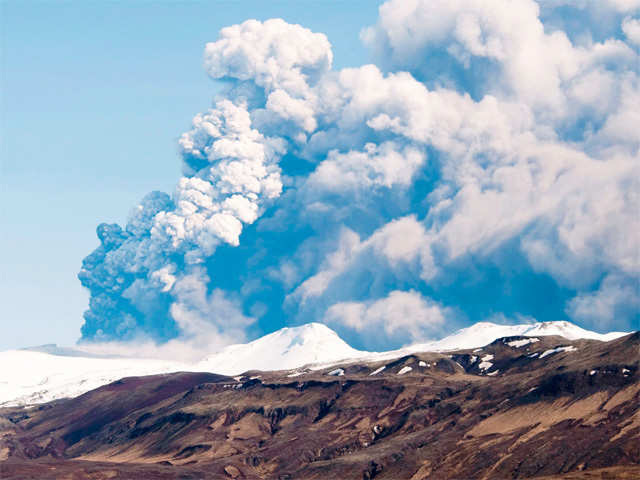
x=483, y=164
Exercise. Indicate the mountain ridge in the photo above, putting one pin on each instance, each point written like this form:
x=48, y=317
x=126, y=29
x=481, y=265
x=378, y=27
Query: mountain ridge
x=49, y=376
x=516, y=408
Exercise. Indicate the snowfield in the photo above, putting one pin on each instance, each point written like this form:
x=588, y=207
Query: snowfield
x=485, y=363
x=522, y=343
x=483, y=333
x=546, y=353
x=31, y=376
x=28, y=377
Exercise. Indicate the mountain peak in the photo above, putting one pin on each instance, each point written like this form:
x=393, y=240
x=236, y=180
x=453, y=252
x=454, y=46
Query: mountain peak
x=483, y=333
x=287, y=348
x=313, y=330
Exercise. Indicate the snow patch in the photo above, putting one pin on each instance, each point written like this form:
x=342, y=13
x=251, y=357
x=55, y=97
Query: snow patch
x=338, y=372
x=522, y=343
x=422, y=363
x=377, y=370
x=404, y=370
x=569, y=348
x=485, y=364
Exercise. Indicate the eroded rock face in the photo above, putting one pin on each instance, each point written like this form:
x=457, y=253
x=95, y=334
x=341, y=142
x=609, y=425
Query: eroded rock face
x=573, y=412
x=232, y=471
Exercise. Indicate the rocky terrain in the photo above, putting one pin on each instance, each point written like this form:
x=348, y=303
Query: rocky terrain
x=520, y=407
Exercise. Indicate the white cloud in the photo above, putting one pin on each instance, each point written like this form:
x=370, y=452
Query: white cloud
x=206, y=317
x=383, y=165
x=631, y=28
x=165, y=276
x=498, y=47
x=296, y=110
x=238, y=173
x=617, y=298
x=569, y=210
x=273, y=54
x=334, y=265
x=401, y=317
x=395, y=246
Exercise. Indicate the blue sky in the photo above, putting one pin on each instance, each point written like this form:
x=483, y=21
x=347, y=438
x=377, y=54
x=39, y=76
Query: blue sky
x=96, y=95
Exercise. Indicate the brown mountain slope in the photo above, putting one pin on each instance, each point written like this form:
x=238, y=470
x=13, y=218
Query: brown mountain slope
x=497, y=412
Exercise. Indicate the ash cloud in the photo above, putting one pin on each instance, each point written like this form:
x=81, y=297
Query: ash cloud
x=487, y=166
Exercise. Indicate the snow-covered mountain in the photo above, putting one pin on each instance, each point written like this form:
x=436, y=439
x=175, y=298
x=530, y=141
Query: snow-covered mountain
x=47, y=373
x=483, y=333
x=28, y=376
x=284, y=349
